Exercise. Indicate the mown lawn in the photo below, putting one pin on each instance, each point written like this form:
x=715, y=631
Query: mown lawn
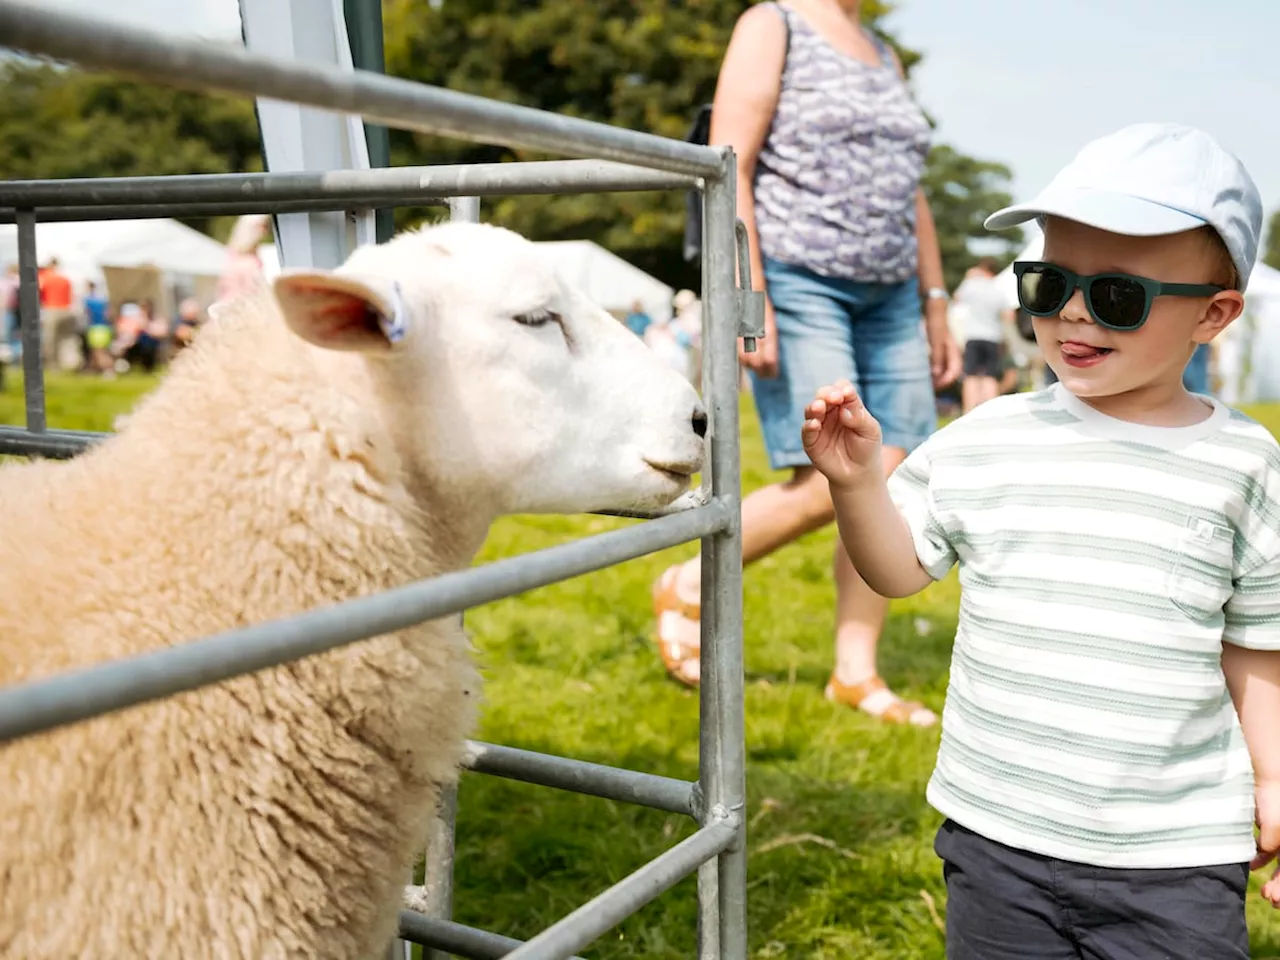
x=841, y=861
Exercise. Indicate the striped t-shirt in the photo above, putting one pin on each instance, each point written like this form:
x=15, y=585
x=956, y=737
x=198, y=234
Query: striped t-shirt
x=1102, y=566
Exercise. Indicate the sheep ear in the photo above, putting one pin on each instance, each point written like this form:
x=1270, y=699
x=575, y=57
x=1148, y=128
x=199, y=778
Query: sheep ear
x=340, y=312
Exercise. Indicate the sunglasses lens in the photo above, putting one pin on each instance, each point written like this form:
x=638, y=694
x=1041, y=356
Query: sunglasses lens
x=1118, y=302
x=1042, y=290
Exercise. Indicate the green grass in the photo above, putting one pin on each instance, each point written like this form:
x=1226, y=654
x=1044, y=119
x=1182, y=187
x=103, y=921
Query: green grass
x=841, y=861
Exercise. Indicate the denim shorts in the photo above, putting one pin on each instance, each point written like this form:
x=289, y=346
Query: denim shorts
x=871, y=334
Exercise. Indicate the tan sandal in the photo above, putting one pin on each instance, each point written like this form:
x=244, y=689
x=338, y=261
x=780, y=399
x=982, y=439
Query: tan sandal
x=862, y=696
x=678, y=624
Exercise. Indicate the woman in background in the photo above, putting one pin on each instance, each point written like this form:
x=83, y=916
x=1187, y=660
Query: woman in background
x=830, y=148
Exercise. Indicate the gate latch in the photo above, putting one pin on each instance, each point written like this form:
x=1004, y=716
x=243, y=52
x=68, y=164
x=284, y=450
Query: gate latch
x=750, y=302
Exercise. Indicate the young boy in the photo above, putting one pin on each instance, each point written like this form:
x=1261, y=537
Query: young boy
x=1118, y=540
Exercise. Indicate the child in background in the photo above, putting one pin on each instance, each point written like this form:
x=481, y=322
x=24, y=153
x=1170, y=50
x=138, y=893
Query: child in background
x=1112, y=722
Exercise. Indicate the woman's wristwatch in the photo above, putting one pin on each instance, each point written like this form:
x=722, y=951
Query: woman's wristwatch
x=936, y=293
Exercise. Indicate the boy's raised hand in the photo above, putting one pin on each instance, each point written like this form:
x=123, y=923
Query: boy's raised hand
x=841, y=437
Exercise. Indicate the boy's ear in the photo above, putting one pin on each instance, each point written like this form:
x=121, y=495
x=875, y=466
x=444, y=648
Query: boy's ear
x=1224, y=308
x=341, y=312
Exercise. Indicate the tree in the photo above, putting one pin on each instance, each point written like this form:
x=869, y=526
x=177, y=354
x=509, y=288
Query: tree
x=641, y=64
x=962, y=192
x=61, y=123
x=1272, y=256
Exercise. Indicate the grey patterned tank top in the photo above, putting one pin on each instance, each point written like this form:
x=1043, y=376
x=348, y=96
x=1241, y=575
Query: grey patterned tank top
x=836, y=176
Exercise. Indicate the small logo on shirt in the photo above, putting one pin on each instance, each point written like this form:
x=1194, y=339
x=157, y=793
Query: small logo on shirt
x=1202, y=530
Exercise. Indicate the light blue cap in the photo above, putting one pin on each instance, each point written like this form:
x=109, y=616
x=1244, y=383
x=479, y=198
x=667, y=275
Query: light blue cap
x=1150, y=179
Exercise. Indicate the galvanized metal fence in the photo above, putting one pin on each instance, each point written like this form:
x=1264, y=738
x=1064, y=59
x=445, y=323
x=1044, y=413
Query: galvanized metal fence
x=610, y=159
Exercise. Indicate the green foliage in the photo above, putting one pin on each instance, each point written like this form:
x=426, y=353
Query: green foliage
x=65, y=123
x=962, y=192
x=840, y=860
x=1271, y=256
x=641, y=64
x=59, y=123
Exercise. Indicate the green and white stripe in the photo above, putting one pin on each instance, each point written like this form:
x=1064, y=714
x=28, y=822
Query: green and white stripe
x=1102, y=566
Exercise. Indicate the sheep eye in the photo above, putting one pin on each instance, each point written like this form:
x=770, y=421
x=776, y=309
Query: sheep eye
x=538, y=318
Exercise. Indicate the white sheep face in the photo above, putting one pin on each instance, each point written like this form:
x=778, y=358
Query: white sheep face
x=514, y=387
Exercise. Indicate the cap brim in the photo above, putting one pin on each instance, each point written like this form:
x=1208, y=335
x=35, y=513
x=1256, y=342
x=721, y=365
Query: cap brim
x=1113, y=212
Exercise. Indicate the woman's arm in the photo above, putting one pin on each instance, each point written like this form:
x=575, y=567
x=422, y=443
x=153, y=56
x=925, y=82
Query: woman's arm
x=944, y=354
x=741, y=113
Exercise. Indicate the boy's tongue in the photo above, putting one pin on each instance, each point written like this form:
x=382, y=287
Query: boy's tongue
x=1082, y=350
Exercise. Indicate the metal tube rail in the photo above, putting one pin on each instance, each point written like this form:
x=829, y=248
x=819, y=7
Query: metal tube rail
x=357, y=188
x=437, y=868
x=589, y=921
x=101, y=44
x=581, y=776
x=77, y=695
x=29, y=311
x=51, y=444
x=66, y=444
x=185, y=210
x=457, y=939
x=722, y=731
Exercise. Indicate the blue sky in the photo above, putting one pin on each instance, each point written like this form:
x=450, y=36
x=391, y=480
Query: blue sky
x=1028, y=82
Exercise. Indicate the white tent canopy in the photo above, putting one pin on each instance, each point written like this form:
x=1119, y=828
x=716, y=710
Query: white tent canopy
x=1262, y=314
x=605, y=278
x=85, y=248
x=134, y=258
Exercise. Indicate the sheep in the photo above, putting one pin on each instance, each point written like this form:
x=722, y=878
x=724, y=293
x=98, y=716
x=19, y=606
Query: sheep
x=332, y=435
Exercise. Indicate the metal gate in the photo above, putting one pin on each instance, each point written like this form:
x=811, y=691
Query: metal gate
x=611, y=159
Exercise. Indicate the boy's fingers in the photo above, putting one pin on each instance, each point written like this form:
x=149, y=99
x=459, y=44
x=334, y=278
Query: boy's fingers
x=1271, y=890
x=1268, y=841
x=810, y=431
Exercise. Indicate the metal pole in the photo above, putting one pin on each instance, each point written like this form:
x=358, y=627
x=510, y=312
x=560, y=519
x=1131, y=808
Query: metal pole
x=101, y=44
x=76, y=695
x=581, y=776
x=342, y=188
x=708, y=891
x=464, y=209
x=438, y=870
x=29, y=311
x=364, y=33
x=722, y=753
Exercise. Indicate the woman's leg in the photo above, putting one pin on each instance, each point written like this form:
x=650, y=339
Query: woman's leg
x=815, y=348
x=897, y=388
x=860, y=611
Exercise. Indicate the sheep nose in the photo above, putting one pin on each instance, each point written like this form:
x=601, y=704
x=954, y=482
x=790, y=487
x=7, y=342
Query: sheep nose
x=699, y=421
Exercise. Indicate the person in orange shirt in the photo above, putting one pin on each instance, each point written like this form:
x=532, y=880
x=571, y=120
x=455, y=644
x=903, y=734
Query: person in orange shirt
x=57, y=321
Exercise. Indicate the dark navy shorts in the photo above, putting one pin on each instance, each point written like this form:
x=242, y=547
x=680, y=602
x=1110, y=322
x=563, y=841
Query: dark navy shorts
x=1007, y=904
x=829, y=329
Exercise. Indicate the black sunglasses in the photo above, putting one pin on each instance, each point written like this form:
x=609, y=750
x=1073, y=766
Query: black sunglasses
x=1117, y=301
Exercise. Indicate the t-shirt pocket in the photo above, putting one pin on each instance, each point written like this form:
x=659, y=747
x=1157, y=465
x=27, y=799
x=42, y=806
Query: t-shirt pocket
x=1199, y=582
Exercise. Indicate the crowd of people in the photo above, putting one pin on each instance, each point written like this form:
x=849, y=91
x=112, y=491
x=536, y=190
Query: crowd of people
x=677, y=338
x=106, y=338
